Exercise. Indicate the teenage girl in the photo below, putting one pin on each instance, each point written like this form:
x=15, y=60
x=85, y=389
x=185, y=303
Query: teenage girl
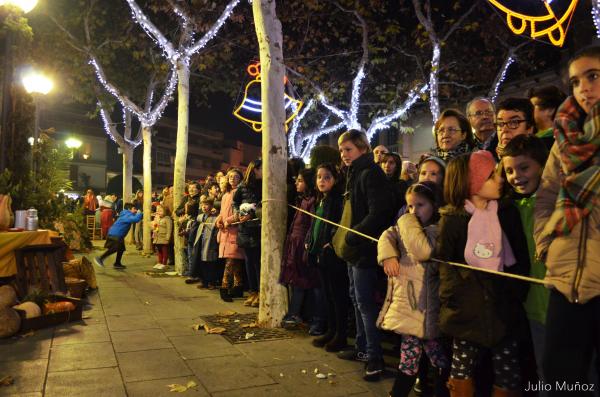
x=481, y=310
x=333, y=271
x=411, y=307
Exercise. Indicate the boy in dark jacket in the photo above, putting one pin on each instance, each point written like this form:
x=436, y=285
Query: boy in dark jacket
x=369, y=210
x=115, y=241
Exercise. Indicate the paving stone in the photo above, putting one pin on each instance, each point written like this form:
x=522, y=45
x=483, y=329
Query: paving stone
x=159, y=388
x=79, y=333
x=274, y=352
x=229, y=373
x=202, y=345
x=82, y=356
x=27, y=348
x=381, y=388
x=103, y=382
x=34, y=394
x=171, y=310
x=28, y=376
x=261, y=391
x=179, y=326
x=152, y=364
x=125, y=308
x=141, y=339
x=130, y=322
x=307, y=384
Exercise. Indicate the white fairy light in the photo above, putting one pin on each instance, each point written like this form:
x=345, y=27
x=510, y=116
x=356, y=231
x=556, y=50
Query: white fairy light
x=596, y=16
x=384, y=121
x=355, y=101
x=338, y=112
x=434, y=104
x=296, y=124
x=111, y=131
x=509, y=61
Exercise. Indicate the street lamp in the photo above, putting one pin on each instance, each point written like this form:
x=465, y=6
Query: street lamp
x=73, y=143
x=24, y=5
x=36, y=84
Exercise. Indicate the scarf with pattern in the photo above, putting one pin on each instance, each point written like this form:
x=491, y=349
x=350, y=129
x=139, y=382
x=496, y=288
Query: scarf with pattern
x=448, y=155
x=580, y=163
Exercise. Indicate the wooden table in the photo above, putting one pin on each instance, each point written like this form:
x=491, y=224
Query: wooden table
x=10, y=241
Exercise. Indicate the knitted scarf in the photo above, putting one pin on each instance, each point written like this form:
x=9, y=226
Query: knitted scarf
x=448, y=155
x=577, y=136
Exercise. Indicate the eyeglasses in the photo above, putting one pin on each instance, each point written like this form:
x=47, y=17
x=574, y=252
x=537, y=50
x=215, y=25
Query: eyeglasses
x=481, y=113
x=512, y=124
x=449, y=130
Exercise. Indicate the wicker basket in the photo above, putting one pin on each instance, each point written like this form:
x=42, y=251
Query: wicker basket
x=76, y=287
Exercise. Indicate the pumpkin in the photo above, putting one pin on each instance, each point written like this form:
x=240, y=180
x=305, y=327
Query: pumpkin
x=30, y=308
x=10, y=322
x=8, y=296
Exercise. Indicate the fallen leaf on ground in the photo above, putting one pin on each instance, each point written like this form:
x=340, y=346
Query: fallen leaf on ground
x=330, y=375
x=177, y=388
x=321, y=376
x=316, y=371
x=249, y=335
x=197, y=327
x=7, y=380
x=191, y=384
x=227, y=313
x=215, y=330
x=249, y=325
x=146, y=303
x=303, y=371
x=223, y=320
x=236, y=321
x=281, y=374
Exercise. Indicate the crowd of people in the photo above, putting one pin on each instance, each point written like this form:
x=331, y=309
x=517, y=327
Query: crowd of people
x=508, y=190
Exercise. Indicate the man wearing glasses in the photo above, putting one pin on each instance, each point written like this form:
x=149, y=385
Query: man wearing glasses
x=481, y=113
x=515, y=117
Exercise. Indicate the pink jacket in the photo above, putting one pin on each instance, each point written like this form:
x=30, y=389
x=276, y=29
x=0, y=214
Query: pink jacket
x=227, y=237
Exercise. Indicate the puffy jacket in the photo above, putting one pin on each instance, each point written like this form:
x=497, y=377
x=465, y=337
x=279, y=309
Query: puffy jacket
x=162, y=229
x=373, y=204
x=412, y=303
x=121, y=227
x=577, y=282
x=227, y=237
x=475, y=306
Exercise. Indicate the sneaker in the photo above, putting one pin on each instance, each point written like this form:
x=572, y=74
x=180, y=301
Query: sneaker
x=353, y=355
x=316, y=329
x=98, y=261
x=192, y=280
x=291, y=322
x=159, y=266
x=373, y=370
x=417, y=387
x=119, y=266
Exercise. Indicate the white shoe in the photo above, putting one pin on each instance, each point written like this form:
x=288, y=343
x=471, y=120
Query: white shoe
x=159, y=266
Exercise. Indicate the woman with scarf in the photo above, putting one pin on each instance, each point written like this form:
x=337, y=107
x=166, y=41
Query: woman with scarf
x=567, y=231
x=453, y=135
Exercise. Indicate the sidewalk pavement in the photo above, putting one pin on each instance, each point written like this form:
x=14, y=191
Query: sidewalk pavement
x=137, y=338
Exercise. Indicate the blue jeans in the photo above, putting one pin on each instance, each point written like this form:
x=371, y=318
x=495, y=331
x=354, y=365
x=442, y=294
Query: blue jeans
x=362, y=285
x=253, y=268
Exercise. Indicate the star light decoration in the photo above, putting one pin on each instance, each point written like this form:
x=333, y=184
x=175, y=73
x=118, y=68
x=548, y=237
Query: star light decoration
x=539, y=27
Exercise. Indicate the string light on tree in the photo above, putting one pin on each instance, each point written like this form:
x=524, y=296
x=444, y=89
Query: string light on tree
x=434, y=104
x=545, y=25
x=596, y=16
x=496, y=88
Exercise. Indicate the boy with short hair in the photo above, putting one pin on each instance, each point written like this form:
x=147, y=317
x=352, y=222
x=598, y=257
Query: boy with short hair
x=523, y=161
x=545, y=101
x=115, y=240
x=514, y=117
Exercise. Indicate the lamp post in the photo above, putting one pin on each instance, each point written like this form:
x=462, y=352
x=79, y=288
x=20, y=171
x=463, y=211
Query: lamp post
x=73, y=144
x=36, y=84
x=25, y=6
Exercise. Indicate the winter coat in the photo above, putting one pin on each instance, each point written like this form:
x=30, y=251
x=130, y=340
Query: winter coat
x=294, y=267
x=193, y=208
x=333, y=205
x=561, y=252
x=121, y=227
x=412, y=303
x=249, y=232
x=475, y=306
x=162, y=230
x=227, y=237
x=206, y=249
x=373, y=206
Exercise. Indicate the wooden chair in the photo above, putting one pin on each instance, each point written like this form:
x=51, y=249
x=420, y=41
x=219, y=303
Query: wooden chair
x=90, y=221
x=40, y=266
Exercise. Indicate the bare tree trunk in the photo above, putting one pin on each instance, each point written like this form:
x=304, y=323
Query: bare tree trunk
x=147, y=238
x=273, y=298
x=127, y=172
x=183, y=91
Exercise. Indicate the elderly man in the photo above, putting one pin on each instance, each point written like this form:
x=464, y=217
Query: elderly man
x=481, y=114
x=378, y=152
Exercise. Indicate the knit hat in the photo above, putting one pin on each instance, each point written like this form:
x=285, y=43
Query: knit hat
x=481, y=166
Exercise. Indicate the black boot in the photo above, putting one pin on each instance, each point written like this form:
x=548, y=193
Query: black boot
x=224, y=295
x=338, y=343
x=402, y=385
x=236, y=292
x=322, y=340
x=439, y=382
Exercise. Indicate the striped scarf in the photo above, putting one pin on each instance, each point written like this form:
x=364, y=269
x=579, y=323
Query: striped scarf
x=580, y=163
